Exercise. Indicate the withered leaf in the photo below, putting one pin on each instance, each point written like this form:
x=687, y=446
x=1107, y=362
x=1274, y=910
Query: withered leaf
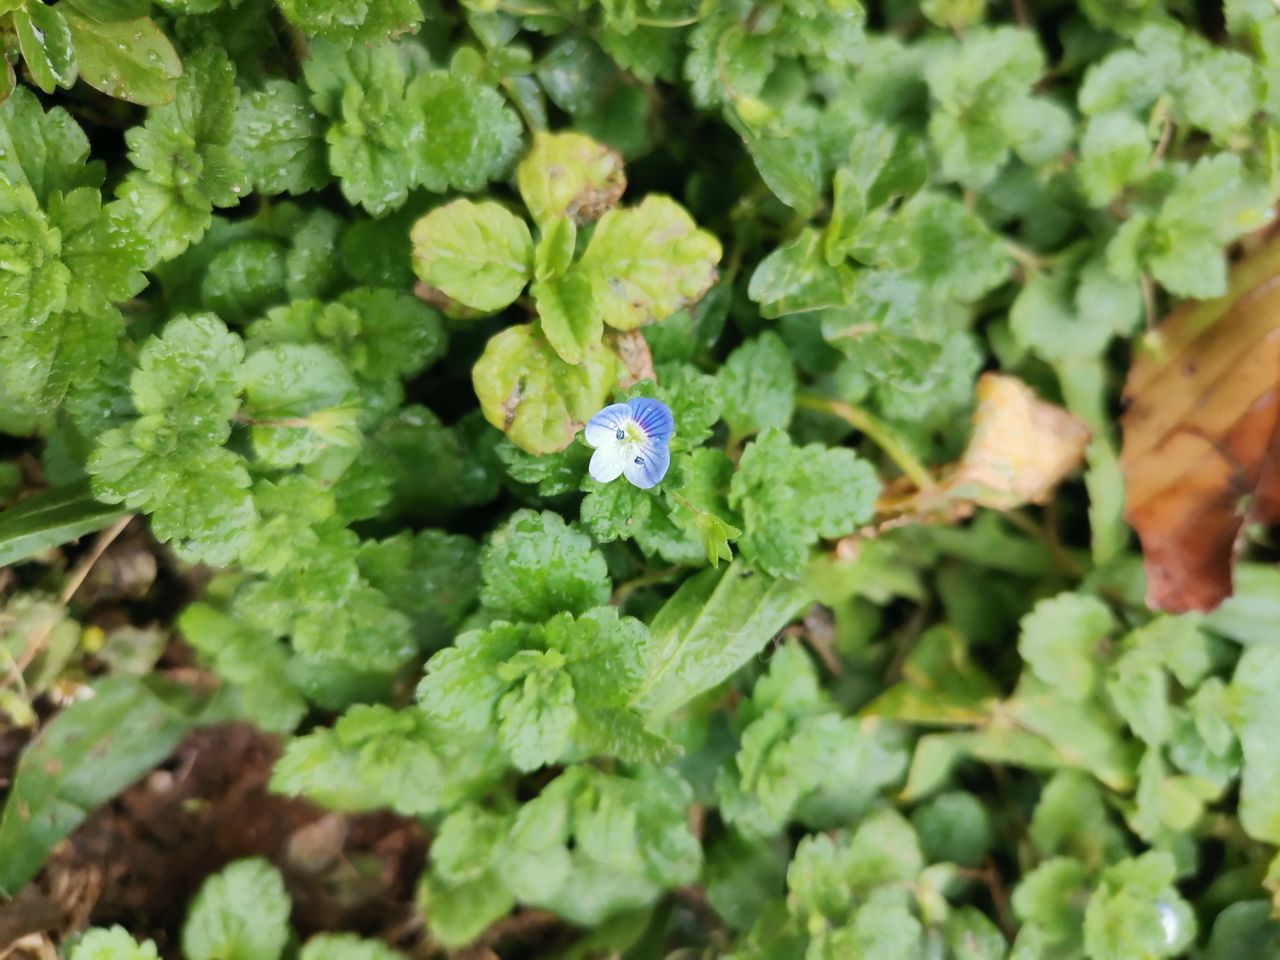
x=1200, y=435
x=1021, y=448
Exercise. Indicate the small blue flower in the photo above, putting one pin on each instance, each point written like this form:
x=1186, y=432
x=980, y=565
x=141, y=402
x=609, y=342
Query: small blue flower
x=631, y=439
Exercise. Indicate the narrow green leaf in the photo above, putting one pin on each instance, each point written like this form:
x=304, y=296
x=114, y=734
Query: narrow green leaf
x=50, y=519
x=45, y=40
x=709, y=628
x=90, y=752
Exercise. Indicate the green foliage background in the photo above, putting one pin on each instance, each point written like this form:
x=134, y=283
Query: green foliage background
x=327, y=292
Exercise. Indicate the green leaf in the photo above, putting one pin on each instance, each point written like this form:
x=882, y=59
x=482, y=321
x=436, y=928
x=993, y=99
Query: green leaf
x=34, y=280
x=50, y=519
x=433, y=577
x=381, y=334
x=254, y=662
x=457, y=914
x=942, y=685
x=554, y=253
x=362, y=21
x=1216, y=90
x=474, y=137
x=1216, y=201
x=789, y=164
x=953, y=827
x=743, y=877
x=1049, y=898
x=1254, y=718
x=479, y=254
x=45, y=41
x=169, y=461
x=346, y=946
x=959, y=255
x=1129, y=79
x=535, y=566
x=185, y=165
x=797, y=278
x=127, y=59
x=111, y=9
x=539, y=401
x=790, y=497
x=47, y=152
x=1136, y=913
x=1243, y=929
x=712, y=625
x=757, y=386
x=91, y=751
x=112, y=943
x=972, y=936
x=1071, y=820
x=280, y=136
x=304, y=401
x=1114, y=154
x=569, y=175
x=799, y=759
x=648, y=262
x=536, y=719
x=981, y=86
x=362, y=91
x=1060, y=639
x=592, y=844
x=240, y=913
x=568, y=315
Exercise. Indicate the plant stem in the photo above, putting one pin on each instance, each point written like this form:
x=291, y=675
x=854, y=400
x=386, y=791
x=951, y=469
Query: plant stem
x=629, y=587
x=1028, y=259
x=879, y=434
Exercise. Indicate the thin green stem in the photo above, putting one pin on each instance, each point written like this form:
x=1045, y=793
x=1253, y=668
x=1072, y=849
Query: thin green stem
x=520, y=11
x=667, y=24
x=1028, y=259
x=628, y=587
x=879, y=434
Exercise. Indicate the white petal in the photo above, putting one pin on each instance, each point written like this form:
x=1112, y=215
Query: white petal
x=603, y=428
x=606, y=462
x=646, y=464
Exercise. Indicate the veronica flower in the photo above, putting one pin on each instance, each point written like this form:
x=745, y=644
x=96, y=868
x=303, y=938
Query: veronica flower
x=631, y=439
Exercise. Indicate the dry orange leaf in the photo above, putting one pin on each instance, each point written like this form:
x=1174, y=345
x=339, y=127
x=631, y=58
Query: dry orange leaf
x=1020, y=450
x=1200, y=435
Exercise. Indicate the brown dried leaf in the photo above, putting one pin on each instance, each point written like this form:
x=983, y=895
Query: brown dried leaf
x=633, y=350
x=1200, y=435
x=1021, y=448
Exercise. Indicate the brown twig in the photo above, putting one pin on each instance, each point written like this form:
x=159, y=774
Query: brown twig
x=991, y=879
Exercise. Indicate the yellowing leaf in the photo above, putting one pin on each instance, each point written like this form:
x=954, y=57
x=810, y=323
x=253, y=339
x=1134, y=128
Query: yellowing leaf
x=569, y=175
x=649, y=261
x=479, y=254
x=537, y=399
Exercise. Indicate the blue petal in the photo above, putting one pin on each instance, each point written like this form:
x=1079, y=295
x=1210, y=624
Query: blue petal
x=603, y=428
x=645, y=466
x=654, y=418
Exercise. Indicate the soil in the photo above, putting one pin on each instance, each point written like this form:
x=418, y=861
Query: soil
x=139, y=860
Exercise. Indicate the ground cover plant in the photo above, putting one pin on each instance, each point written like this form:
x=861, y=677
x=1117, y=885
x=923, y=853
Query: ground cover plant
x=639, y=478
